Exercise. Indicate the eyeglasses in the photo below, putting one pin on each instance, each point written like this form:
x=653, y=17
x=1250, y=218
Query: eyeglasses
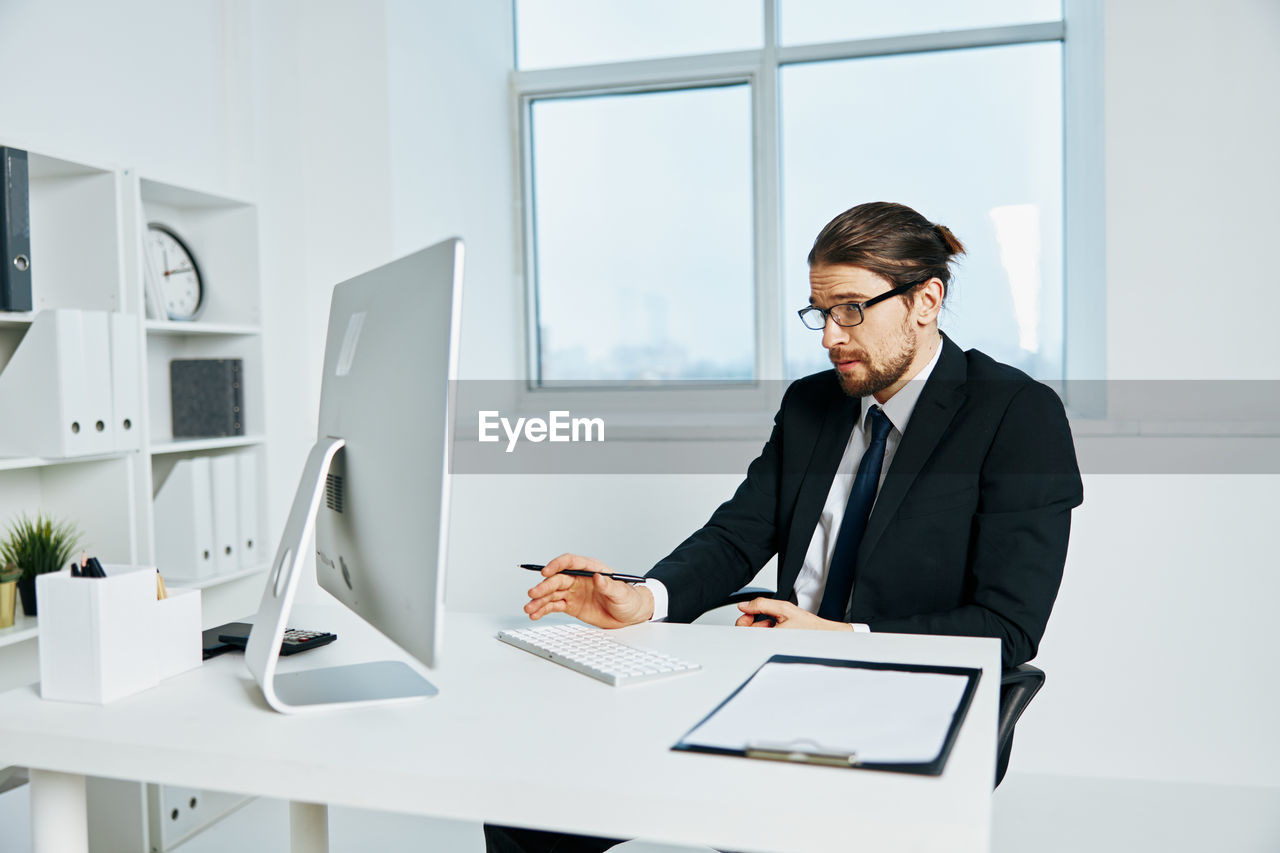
x=848, y=313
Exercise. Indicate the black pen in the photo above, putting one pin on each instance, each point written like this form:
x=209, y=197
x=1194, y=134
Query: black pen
x=583, y=573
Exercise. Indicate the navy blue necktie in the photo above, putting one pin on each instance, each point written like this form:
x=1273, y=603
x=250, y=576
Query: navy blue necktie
x=835, y=599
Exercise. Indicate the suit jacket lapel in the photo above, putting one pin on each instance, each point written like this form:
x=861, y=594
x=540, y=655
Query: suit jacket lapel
x=837, y=425
x=939, y=401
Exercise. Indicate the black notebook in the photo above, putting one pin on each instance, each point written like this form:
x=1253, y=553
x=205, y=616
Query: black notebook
x=207, y=396
x=844, y=713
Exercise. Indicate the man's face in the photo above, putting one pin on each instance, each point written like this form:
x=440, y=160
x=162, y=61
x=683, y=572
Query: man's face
x=874, y=355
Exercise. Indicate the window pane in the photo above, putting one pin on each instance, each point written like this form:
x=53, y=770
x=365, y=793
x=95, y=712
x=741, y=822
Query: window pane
x=809, y=21
x=971, y=139
x=642, y=209
x=551, y=33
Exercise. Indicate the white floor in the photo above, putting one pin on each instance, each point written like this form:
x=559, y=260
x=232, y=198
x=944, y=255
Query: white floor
x=1046, y=814
x=1058, y=814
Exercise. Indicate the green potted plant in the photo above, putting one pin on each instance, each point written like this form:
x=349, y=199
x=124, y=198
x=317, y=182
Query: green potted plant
x=37, y=546
x=9, y=576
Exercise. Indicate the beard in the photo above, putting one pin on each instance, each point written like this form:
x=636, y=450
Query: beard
x=879, y=373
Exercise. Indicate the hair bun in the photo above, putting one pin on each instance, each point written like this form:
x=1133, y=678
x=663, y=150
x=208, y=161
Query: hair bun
x=953, y=244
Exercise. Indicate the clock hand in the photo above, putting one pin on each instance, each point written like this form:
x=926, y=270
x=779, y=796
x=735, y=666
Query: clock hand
x=175, y=272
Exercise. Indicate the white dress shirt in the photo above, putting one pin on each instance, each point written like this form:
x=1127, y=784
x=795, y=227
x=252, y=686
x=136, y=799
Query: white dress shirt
x=812, y=579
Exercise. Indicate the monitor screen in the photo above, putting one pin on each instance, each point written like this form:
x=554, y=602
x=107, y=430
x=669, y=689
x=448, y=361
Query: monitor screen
x=390, y=356
x=375, y=487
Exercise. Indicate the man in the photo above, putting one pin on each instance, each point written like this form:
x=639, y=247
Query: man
x=916, y=488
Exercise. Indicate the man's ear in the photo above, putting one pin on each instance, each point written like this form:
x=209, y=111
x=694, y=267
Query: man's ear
x=928, y=301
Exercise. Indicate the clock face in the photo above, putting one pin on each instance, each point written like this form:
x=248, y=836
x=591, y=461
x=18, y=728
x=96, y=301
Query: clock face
x=181, y=290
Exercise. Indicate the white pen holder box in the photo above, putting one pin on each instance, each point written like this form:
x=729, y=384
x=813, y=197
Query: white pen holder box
x=178, y=645
x=105, y=638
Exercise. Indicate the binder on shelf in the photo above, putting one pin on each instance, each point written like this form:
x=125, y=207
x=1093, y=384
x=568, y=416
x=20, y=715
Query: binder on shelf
x=247, y=487
x=42, y=390
x=126, y=373
x=843, y=713
x=61, y=390
x=15, y=231
x=68, y=431
x=207, y=397
x=226, y=538
x=97, y=423
x=184, y=521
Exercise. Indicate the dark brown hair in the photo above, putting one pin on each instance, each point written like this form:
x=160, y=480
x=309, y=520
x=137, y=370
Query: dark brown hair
x=891, y=240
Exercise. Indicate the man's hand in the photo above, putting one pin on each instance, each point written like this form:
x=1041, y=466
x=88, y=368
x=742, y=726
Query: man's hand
x=783, y=614
x=598, y=600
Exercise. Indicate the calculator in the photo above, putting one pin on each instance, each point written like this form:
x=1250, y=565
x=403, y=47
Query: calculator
x=295, y=639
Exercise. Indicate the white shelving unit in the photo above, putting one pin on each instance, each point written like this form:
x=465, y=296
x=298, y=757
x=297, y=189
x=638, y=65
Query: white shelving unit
x=88, y=222
x=222, y=233
x=168, y=327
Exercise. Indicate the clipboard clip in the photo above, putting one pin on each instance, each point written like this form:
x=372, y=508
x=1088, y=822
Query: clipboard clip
x=801, y=751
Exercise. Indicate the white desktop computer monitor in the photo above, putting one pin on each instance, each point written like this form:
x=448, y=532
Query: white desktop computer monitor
x=375, y=489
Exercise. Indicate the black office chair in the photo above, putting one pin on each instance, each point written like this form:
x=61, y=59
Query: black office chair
x=1018, y=686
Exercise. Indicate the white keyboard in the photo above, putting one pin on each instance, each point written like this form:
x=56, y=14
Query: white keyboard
x=591, y=651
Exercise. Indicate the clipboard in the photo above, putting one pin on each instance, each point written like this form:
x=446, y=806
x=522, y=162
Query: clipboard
x=950, y=698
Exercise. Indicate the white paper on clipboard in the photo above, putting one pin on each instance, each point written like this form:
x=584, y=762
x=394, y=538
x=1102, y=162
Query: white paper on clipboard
x=881, y=715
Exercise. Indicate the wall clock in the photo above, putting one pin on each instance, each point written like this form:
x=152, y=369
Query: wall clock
x=178, y=279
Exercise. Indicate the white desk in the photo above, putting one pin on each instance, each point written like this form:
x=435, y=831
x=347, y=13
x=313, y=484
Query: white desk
x=517, y=740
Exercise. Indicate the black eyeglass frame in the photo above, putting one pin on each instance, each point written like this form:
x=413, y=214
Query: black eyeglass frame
x=861, y=307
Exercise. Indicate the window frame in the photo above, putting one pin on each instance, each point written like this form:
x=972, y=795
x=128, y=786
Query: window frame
x=680, y=409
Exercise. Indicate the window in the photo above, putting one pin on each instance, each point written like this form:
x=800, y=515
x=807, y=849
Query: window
x=673, y=188
x=648, y=243
x=971, y=138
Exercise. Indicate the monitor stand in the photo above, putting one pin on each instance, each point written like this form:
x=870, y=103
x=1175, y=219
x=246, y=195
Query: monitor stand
x=371, y=683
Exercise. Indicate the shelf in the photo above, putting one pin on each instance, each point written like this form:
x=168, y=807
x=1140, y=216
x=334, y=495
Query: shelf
x=215, y=580
x=171, y=327
x=19, y=463
x=188, y=445
x=42, y=166
x=172, y=195
x=24, y=628
x=15, y=318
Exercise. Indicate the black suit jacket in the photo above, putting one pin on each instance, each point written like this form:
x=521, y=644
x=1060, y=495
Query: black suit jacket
x=968, y=535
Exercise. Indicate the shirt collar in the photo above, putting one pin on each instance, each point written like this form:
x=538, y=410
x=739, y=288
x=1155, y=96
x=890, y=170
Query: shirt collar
x=899, y=407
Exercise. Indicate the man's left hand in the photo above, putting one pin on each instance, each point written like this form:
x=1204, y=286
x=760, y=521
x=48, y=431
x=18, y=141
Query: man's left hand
x=783, y=614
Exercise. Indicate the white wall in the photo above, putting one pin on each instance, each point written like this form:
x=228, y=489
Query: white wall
x=1161, y=653
x=381, y=128
x=318, y=79
x=1191, y=188
x=452, y=158
x=134, y=83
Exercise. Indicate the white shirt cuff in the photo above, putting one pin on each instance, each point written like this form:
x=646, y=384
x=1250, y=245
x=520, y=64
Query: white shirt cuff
x=659, y=590
x=861, y=627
